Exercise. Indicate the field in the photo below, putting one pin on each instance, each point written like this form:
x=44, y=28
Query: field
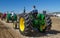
x=7, y=30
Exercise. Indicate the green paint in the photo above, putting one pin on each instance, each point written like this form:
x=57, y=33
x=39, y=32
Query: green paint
x=39, y=22
x=10, y=18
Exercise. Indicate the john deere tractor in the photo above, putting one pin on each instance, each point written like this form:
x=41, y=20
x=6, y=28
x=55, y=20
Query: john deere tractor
x=27, y=23
x=11, y=18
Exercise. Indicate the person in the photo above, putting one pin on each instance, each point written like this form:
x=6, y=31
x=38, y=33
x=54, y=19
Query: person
x=12, y=14
x=34, y=11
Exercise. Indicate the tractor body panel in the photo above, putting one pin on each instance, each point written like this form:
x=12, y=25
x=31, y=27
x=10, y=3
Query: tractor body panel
x=9, y=17
x=39, y=22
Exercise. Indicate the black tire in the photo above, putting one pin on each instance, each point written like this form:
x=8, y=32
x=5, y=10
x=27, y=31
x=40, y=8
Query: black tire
x=48, y=24
x=12, y=19
x=26, y=24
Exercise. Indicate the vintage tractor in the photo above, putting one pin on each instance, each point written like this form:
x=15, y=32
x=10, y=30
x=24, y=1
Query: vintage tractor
x=27, y=23
x=3, y=16
x=11, y=18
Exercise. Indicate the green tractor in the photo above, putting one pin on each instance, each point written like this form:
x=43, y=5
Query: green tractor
x=28, y=23
x=11, y=18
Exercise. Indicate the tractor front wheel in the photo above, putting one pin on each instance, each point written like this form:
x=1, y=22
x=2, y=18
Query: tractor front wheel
x=7, y=20
x=48, y=24
x=15, y=25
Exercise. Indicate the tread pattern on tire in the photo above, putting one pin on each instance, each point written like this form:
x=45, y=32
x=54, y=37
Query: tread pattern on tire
x=48, y=23
x=27, y=24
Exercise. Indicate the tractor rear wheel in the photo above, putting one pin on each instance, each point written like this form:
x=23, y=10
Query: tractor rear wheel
x=24, y=24
x=48, y=24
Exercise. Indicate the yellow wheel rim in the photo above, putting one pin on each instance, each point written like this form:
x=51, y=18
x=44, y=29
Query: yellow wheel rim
x=43, y=26
x=21, y=24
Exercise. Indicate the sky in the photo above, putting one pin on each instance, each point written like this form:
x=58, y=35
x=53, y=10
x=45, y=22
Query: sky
x=18, y=5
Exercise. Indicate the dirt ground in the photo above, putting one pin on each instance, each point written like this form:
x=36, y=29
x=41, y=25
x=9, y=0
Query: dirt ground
x=7, y=31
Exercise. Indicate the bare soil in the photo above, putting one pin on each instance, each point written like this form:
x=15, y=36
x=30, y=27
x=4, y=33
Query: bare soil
x=7, y=31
